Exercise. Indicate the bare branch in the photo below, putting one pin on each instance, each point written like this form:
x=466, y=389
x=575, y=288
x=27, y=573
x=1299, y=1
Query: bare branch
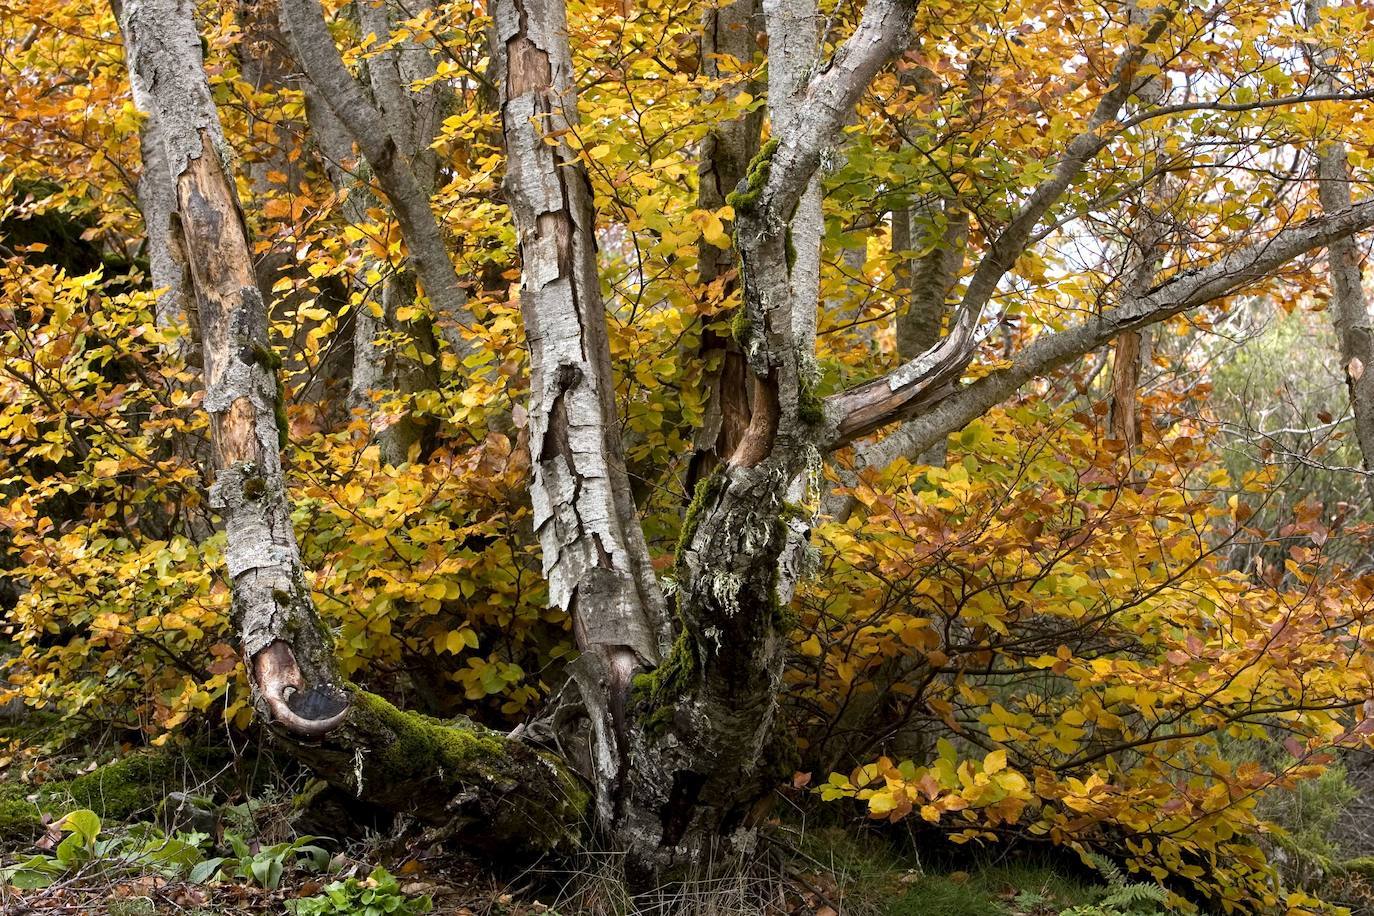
x=948, y=410
x=870, y=406
x=317, y=54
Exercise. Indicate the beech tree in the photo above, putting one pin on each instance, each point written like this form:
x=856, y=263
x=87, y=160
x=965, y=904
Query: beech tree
x=667, y=736
x=682, y=705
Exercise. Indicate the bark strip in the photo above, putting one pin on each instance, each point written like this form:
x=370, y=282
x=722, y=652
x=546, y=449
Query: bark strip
x=595, y=558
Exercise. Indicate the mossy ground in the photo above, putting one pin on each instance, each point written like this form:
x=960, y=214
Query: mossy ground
x=875, y=878
x=999, y=890
x=864, y=873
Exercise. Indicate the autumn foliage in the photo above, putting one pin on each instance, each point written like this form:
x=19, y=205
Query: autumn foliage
x=1042, y=633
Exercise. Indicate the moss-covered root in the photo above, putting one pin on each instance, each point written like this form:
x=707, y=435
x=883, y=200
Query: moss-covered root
x=475, y=784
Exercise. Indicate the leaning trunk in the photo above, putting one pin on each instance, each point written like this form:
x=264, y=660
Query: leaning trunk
x=454, y=776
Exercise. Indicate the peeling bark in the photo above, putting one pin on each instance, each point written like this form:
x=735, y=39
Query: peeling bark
x=1123, y=419
x=455, y=776
x=1144, y=256
x=706, y=717
x=595, y=558
x=271, y=600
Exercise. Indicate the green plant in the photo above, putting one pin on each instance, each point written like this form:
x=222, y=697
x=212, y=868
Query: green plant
x=264, y=867
x=1030, y=900
x=1123, y=897
x=377, y=895
x=141, y=848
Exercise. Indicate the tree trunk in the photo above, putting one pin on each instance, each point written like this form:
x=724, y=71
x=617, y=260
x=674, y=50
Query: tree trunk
x=1349, y=307
x=267, y=66
x=455, y=776
x=725, y=156
x=595, y=558
x=400, y=176
x=1144, y=254
x=411, y=118
x=679, y=751
x=1123, y=419
x=157, y=203
x=941, y=235
x=705, y=719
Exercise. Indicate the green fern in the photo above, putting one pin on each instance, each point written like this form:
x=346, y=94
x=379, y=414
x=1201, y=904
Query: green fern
x=1123, y=897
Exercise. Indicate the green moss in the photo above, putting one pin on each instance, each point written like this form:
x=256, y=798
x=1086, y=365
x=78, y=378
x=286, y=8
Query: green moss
x=20, y=819
x=707, y=490
x=254, y=487
x=132, y=785
x=1362, y=866
x=740, y=328
x=423, y=746
x=810, y=407
x=791, y=250
x=266, y=357
x=660, y=688
x=759, y=168
x=412, y=760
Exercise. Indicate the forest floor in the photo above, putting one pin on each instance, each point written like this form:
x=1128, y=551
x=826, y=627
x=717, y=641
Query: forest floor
x=200, y=832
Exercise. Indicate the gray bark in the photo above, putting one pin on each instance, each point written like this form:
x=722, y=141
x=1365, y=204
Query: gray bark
x=725, y=155
x=412, y=118
x=385, y=154
x=157, y=202
x=930, y=277
x=272, y=603
x=594, y=554
x=460, y=779
x=705, y=718
x=1349, y=307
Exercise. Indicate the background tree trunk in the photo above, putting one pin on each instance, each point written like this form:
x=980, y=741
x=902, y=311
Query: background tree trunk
x=726, y=152
x=1349, y=307
x=398, y=176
